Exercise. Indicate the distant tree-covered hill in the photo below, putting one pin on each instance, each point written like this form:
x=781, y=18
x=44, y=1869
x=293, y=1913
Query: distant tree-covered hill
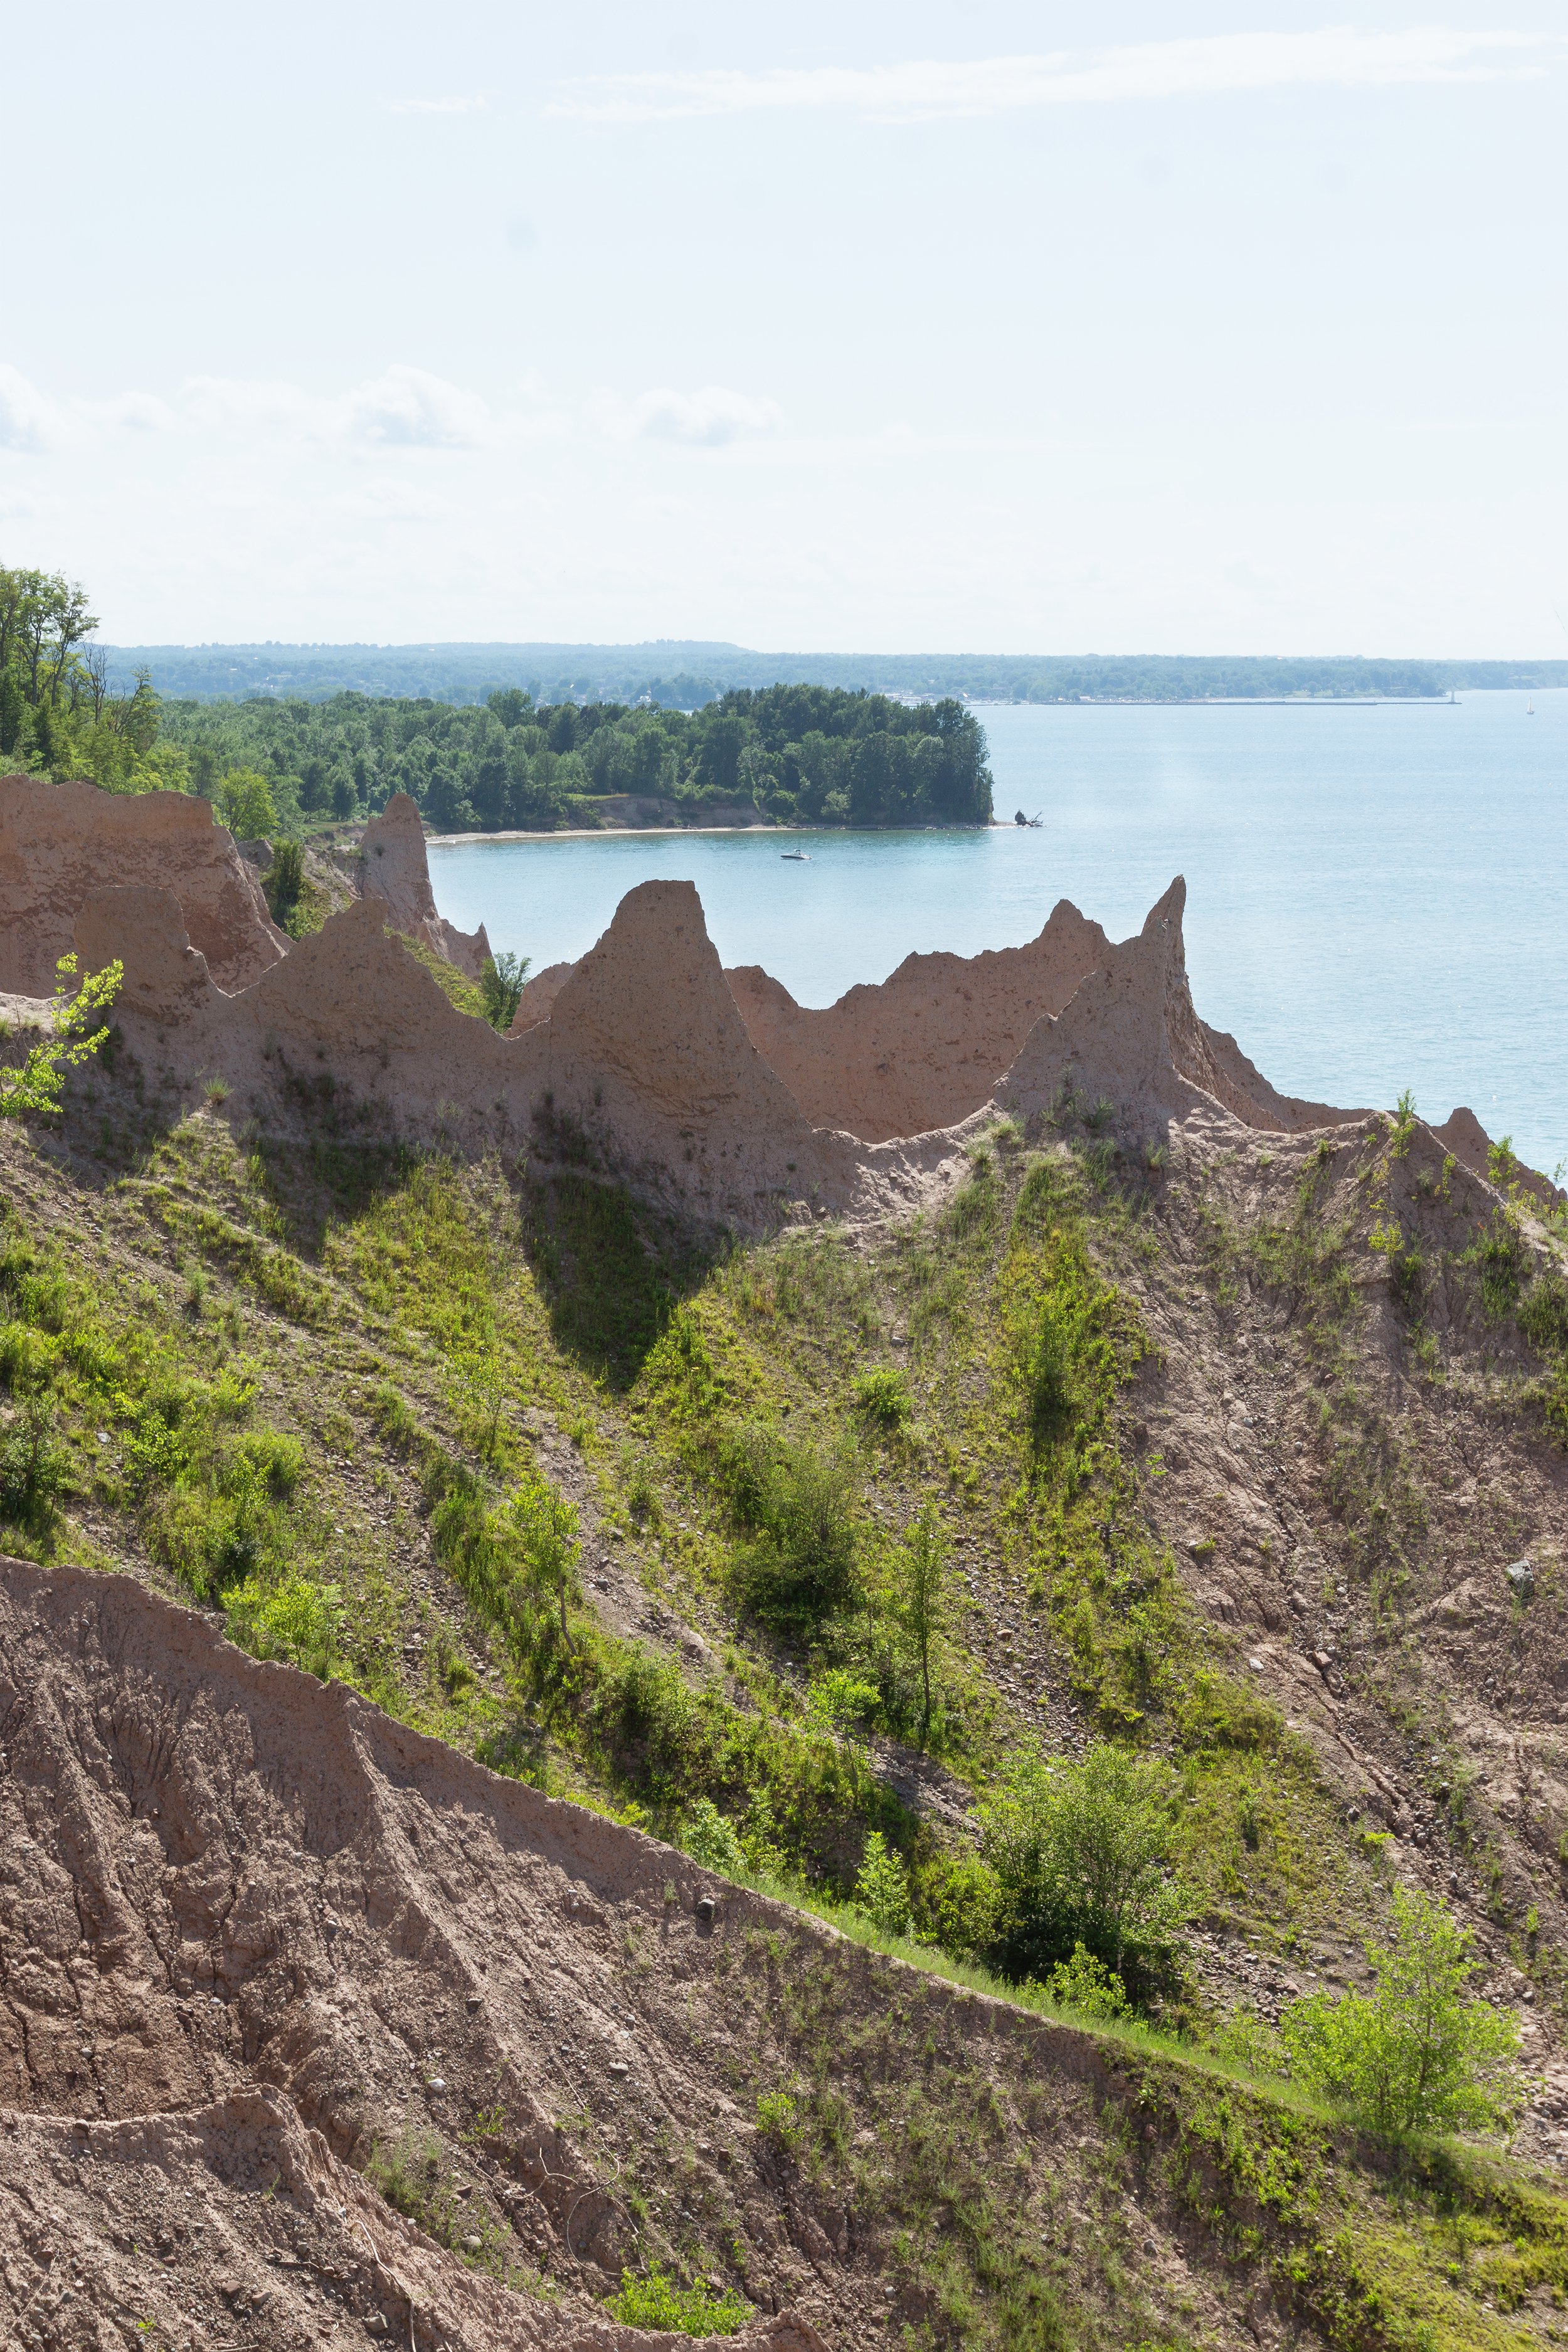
x=683, y=674
x=795, y=753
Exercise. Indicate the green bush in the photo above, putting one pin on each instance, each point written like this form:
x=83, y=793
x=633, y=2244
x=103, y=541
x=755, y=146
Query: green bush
x=546, y=1527
x=882, y=1397
x=35, y=1470
x=654, y=2302
x=1500, y=1259
x=956, y=1901
x=796, y=1502
x=1080, y=1855
x=501, y=983
x=285, y=881
x=918, y=1597
x=711, y=1840
x=1544, y=1314
x=1419, y=2054
x=394, y=1418
x=296, y=1620
x=778, y=2118
x=838, y=1700
x=1086, y=1985
x=882, y=1888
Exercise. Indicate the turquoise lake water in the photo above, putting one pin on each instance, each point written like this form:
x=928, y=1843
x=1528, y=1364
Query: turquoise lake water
x=1377, y=897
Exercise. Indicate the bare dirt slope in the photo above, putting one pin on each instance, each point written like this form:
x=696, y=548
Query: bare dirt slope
x=60, y=843
x=1353, y=1459
x=248, y=1925
x=254, y=1938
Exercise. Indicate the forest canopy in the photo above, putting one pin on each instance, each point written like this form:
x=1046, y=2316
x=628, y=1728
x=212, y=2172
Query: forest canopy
x=791, y=754
x=686, y=672
x=59, y=716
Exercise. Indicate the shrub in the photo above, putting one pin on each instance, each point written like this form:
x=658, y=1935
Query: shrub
x=1500, y=1257
x=394, y=1418
x=711, y=1840
x=285, y=882
x=35, y=1471
x=1080, y=1852
x=1543, y=1315
x=547, y=1526
x=882, y=1397
x=838, y=1699
x=297, y=1621
x=654, y=2302
x=71, y=1040
x=1086, y=1985
x=956, y=1901
x=502, y=984
x=975, y=1207
x=920, y=1601
x=797, y=1502
x=1418, y=2054
x=882, y=1889
x=1249, y=2041
x=777, y=2119
x=276, y=1462
x=1067, y=1353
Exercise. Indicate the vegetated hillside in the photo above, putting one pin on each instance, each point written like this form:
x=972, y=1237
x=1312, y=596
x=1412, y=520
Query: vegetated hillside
x=682, y=673
x=1230, y=1454
x=815, y=754
x=792, y=753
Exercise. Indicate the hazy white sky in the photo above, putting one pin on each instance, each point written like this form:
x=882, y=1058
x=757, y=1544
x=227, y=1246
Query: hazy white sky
x=914, y=327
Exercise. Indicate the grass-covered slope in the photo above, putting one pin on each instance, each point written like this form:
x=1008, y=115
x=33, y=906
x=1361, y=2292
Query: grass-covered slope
x=627, y=1513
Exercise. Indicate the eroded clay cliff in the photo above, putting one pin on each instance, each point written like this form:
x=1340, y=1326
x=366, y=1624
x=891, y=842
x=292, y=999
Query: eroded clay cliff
x=59, y=843
x=643, y=1059
x=392, y=867
x=1129, y=1036
x=643, y=1070
x=250, y=1927
x=925, y=1047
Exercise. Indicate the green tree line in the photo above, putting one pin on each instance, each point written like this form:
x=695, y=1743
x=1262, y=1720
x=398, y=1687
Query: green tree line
x=812, y=754
x=686, y=672
x=59, y=715
x=795, y=754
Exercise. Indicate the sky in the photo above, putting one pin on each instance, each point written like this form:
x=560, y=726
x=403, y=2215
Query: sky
x=913, y=328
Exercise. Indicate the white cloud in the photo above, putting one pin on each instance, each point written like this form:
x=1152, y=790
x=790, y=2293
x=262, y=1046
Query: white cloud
x=439, y=105
x=926, y=88
x=403, y=407
x=706, y=418
x=409, y=409
x=132, y=412
x=382, y=499
x=247, y=403
x=26, y=418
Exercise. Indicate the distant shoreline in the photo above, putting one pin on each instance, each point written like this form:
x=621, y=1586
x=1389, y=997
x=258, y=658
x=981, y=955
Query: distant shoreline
x=684, y=832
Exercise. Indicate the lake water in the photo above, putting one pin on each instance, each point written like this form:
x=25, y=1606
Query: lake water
x=1377, y=895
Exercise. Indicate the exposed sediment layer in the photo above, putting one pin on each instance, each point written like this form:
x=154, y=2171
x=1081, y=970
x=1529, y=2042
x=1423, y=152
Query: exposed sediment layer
x=1463, y=1134
x=642, y=1066
x=1129, y=1035
x=238, y=1916
x=393, y=867
x=925, y=1047
x=643, y=1059
x=59, y=843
